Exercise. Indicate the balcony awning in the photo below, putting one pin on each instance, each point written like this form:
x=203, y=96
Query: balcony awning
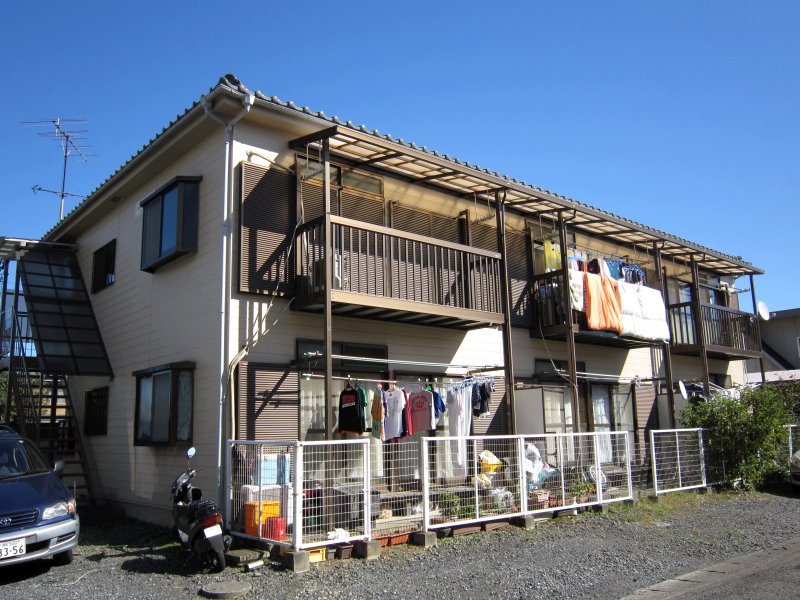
x=362, y=148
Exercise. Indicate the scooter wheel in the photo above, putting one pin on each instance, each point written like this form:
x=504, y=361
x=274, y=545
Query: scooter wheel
x=215, y=559
x=210, y=558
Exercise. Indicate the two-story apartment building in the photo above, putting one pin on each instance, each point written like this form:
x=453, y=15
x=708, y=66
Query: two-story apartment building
x=234, y=274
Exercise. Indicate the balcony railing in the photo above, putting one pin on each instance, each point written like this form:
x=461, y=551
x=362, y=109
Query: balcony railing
x=548, y=304
x=383, y=267
x=726, y=330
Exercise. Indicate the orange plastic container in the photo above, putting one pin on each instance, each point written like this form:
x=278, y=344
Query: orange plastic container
x=254, y=522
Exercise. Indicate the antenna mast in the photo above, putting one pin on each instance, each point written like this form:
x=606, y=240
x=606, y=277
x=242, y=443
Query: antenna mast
x=70, y=141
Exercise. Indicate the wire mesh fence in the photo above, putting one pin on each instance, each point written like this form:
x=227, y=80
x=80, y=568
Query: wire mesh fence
x=307, y=494
x=396, y=483
x=300, y=494
x=678, y=461
x=576, y=469
x=791, y=441
x=471, y=479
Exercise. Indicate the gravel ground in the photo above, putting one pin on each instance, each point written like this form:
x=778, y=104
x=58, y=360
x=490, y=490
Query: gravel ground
x=587, y=556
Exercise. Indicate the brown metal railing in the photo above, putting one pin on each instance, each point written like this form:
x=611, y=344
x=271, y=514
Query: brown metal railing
x=379, y=261
x=547, y=300
x=681, y=319
x=722, y=326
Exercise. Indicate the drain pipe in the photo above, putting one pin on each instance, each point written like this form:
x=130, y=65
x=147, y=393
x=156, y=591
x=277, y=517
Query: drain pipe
x=225, y=287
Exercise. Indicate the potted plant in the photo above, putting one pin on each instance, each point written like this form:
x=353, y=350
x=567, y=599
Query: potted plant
x=580, y=490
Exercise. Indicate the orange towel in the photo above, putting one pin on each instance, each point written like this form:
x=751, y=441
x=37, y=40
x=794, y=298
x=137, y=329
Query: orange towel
x=602, y=303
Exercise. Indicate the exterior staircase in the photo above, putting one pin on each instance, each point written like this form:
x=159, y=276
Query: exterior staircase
x=52, y=336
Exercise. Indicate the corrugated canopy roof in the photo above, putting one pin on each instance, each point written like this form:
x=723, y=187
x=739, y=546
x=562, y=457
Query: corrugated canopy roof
x=418, y=165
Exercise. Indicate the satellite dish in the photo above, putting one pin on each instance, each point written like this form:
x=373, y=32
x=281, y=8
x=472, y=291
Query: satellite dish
x=682, y=390
x=762, y=310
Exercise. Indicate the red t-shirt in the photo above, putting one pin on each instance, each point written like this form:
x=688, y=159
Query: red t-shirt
x=421, y=410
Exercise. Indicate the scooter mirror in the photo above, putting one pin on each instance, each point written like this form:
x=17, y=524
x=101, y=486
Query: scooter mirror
x=190, y=452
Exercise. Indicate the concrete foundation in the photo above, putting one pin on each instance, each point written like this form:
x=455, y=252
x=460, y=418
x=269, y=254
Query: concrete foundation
x=426, y=539
x=368, y=550
x=297, y=560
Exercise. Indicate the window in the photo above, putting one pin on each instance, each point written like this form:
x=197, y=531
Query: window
x=95, y=421
x=169, y=228
x=103, y=266
x=164, y=404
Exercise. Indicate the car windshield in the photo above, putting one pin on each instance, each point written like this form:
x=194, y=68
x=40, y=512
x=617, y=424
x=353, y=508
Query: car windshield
x=18, y=457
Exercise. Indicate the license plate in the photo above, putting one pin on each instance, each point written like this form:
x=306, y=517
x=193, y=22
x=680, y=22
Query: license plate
x=211, y=531
x=12, y=548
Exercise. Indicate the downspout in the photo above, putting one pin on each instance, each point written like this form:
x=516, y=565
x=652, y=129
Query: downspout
x=225, y=287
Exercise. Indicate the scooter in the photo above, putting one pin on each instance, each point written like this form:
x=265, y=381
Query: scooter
x=197, y=522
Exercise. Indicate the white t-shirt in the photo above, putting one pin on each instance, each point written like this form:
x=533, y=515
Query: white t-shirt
x=393, y=423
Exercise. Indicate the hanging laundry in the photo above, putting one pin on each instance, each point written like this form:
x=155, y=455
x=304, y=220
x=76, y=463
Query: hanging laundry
x=351, y=411
x=552, y=256
x=457, y=411
x=421, y=404
x=439, y=408
x=643, y=312
x=602, y=303
x=576, y=290
x=406, y=424
x=634, y=274
x=614, y=268
x=395, y=407
x=364, y=400
x=378, y=413
x=481, y=395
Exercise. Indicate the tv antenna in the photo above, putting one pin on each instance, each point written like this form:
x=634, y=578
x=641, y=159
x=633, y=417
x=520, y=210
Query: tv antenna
x=70, y=140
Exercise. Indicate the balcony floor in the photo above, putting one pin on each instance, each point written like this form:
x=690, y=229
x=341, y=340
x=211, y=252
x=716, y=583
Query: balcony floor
x=589, y=336
x=364, y=306
x=716, y=352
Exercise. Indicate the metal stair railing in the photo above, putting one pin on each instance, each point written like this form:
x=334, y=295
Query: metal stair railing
x=27, y=414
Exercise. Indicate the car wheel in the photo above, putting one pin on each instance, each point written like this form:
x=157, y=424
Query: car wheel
x=63, y=558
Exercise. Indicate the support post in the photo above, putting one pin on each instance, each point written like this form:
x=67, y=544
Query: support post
x=327, y=236
x=508, y=355
x=7, y=411
x=12, y=376
x=758, y=329
x=572, y=368
x=699, y=330
x=662, y=280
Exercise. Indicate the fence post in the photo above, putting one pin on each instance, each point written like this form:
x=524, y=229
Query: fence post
x=653, y=460
x=297, y=529
x=598, y=478
x=522, y=475
x=628, y=463
x=678, y=457
x=475, y=478
x=791, y=440
x=702, y=457
x=426, y=489
x=561, y=466
x=367, y=491
x=228, y=484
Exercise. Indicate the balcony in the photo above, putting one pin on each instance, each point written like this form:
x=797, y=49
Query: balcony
x=550, y=323
x=729, y=333
x=382, y=273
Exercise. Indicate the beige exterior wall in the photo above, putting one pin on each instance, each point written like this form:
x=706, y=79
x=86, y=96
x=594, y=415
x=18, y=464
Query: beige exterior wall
x=150, y=319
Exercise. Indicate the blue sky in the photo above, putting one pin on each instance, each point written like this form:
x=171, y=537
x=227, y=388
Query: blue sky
x=680, y=115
